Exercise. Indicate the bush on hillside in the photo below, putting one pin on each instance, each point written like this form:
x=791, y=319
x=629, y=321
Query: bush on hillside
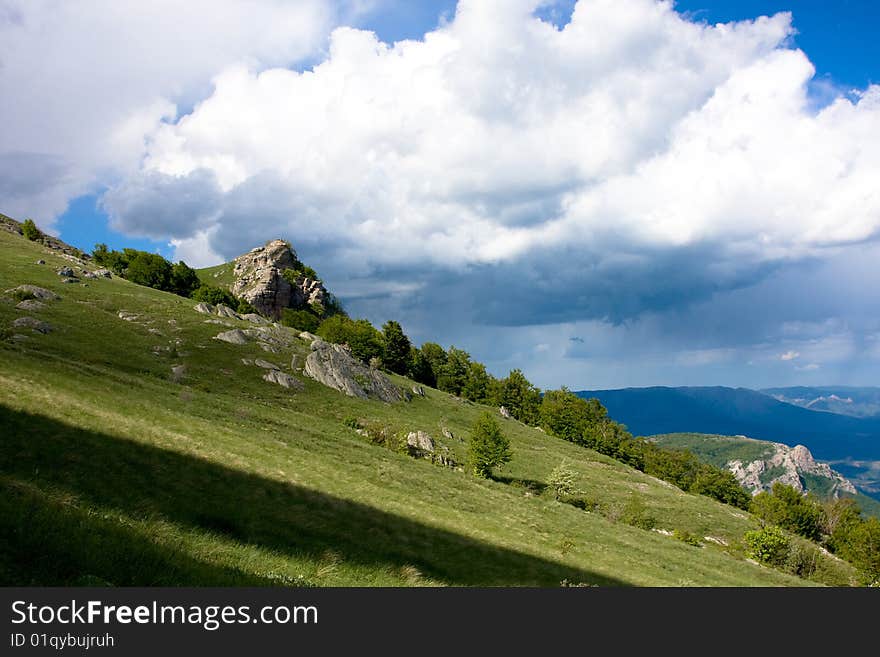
x=768, y=545
x=301, y=320
x=563, y=481
x=214, y=295
x=488, y=447
x=30, y=231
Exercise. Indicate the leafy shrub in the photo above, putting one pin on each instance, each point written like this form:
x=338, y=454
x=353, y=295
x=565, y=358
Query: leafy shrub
x=302, y=320
x=801, y=560
x=582, y=503
x=786, y=507
x=214, y=295
x=361, y=336
x=183, y=279
x=30, y=231
x=395, y=355
x=351, y=422
x=768, y=545
x=686, y=537
x=563, y=481
x=488, y=447
x=149, y=269
x=635, y=513
x=245, y=308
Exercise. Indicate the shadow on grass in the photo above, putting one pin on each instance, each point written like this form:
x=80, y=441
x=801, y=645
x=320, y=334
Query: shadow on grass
x=141, y=481
x=531, y=485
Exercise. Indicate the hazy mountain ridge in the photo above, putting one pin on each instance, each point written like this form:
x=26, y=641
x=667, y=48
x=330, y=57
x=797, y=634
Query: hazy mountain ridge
x=852, y=444
x=844, y=400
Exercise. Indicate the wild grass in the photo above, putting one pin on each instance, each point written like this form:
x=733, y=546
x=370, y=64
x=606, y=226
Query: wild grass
x=114, y=473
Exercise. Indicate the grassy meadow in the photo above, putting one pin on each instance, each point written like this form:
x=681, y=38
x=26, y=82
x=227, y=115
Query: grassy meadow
x=114, y=471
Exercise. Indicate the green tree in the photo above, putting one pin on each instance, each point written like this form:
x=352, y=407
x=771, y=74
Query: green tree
x=301, y=320
x=183, y=279
x=488, y=447
x=420, y=369
x=149, y=269
x=785, y=506
x=476, y=383
x=563, y=480
x=768, y=545
x=361, y=336
x=213, y=295
x=520, y=397
x=720, y=485
x=29, y=230
x=395, y=356
x=453, y=373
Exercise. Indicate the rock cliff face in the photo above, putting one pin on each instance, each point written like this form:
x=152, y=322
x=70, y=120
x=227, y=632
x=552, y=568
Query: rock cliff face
x=259, y=280
x=787, y=465
x=334, y=366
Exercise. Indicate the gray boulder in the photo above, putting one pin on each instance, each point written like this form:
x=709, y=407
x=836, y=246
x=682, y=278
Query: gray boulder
x=88, y=274
x=235, y=336
x=30, y=305
x=419, y=391
x=65, y=271
x=504, y=412
x=266, y=365
x=126, y=316
x=254, y=318
x=420, y=441
x=284, y=380
x=38, y=292
x=225, y=311
x=204, y=308
x=106, y=273
x=41, y=262
x=32, y=323
x=334, y=366
x=178, y=372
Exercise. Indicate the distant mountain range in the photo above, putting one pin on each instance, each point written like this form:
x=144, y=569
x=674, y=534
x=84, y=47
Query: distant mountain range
x=851, y=444
x=858, y=402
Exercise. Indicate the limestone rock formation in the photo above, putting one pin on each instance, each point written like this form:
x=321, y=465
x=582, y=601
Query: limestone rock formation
x=235, y=336
x=204, y=308
x=31, y=305
x=283, y=380
x=32, y=323
x=334, y=366
x=786, y=465
x=259, y=280
x=38, y=292
x=420, y=442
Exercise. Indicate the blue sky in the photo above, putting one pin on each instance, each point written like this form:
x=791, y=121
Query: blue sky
x=636, y=197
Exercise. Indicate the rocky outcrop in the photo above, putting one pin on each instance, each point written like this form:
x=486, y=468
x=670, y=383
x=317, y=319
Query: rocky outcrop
x=283, y=380
x=334, y=366
x=36, y=291
x=259, y=279
x=420, y=442
x=787, y=465
x=32, y=323
x=235, y=336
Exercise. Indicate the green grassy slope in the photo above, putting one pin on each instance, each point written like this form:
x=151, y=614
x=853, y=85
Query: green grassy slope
x=113, y=473
x=219, y=275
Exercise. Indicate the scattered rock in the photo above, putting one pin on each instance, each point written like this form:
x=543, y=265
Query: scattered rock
x=39, y=292
x=420, y=442
x=225, y=311
x=259, y=280
x=219, y=322
x=41, y=262
x=448, y=434
x=235, y=336
x=505, y=413
x=247, y=361
x=178, y=372
x=282, y=379
x=294, y=362
x=32, y=323
x=30, y=305
x=334, y=366
x=269, y=348
x=254, y=318
x=106, y=273
x=308, y=337
x=88, y=274
x=70, y=280
x=204, y=308
x=419, y=391
x=19, y=337
x=127, y=316
x=265, y=364
x=65, y=271
x=154, y=331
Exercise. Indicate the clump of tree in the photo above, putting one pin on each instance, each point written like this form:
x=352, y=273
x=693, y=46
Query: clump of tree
x=838, y=525
x=360, y=335
x=396, y=348
x=30, y=231
x=152, y=270
x=585, y=422
x=488, y=447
